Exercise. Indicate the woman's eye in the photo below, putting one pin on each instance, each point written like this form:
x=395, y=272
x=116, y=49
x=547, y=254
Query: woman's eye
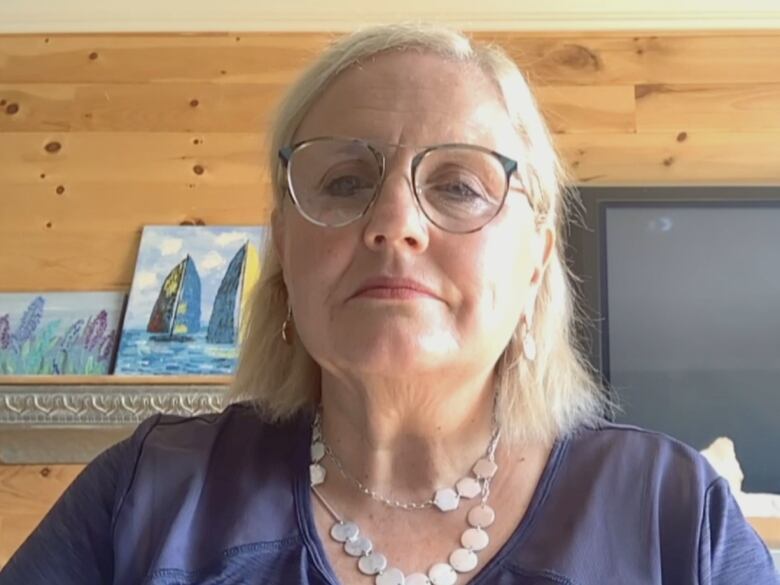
x=458, y=190
x=346, y=186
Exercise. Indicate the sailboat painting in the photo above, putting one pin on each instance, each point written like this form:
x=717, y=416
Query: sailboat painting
x=189, y=293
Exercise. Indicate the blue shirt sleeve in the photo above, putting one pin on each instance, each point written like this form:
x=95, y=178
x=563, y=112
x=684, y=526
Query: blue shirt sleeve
x=73, y=544
x=730, y=551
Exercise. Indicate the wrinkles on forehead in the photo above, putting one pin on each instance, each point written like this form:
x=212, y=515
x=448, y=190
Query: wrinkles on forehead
x=415, y=99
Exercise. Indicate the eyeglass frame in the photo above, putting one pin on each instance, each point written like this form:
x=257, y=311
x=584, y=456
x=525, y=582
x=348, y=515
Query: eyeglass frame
x=508, y=164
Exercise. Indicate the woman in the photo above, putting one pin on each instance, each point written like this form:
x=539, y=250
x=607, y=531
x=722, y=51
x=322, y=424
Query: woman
x=414, y=410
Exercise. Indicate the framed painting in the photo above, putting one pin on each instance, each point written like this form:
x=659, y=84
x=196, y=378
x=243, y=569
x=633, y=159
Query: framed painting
x=190, y=288
x=59, y=333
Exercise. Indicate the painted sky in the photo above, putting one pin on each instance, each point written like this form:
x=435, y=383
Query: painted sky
x=68, y=306
x=163, y=247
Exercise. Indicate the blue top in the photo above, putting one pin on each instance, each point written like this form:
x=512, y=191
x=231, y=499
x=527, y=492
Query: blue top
x=224, y=499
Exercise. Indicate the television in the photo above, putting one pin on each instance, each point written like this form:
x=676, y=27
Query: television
x=682, y=289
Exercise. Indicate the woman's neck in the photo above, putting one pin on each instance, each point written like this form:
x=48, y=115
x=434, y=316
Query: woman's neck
x=404, y=439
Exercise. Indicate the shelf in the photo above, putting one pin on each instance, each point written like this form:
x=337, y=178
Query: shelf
x=69, y=419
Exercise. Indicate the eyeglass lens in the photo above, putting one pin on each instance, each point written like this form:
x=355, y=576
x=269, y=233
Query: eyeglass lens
x=459, y=187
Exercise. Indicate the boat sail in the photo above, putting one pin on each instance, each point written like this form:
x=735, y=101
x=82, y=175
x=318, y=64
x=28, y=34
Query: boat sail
x=177, y=310
x=233, y=295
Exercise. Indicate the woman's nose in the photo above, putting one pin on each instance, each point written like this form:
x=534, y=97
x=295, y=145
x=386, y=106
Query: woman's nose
x=395, y=219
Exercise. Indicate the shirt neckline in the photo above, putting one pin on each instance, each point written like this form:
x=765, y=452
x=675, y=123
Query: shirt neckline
x=304, y=511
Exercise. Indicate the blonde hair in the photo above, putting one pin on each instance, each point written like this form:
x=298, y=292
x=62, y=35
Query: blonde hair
x=540, y=400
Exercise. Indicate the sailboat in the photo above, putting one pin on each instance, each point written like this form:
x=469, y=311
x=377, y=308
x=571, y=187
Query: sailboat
x=233, y=295
x=177, y=310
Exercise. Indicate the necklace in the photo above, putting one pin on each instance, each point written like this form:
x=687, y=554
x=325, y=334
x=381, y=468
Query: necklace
x=445, y=499
x=372, y=563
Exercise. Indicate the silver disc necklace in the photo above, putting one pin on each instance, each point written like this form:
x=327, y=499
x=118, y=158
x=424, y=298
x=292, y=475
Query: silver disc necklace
x=373, y=563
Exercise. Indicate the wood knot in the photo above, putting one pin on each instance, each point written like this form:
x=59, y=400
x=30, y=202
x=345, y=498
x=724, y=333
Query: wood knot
x=11, y=109
x=198, y=169
x=194, y=103
x=682, y=137
x=53, y=147
x=578, y=57
x=93, y=55
x=60, y=189
x=644, y=90
x=668, y=161
x=196, y=141
x=193, y=221
x=45, y=471
x=48, y=224
x=43, y=175
x=223, y=72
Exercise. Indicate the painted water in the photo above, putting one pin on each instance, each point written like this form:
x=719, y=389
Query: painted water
x=146, y=353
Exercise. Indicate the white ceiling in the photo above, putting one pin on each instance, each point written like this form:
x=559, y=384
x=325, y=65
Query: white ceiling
x=247, y=15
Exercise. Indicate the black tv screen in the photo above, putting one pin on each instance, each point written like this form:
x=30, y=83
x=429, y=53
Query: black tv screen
x=687, y=295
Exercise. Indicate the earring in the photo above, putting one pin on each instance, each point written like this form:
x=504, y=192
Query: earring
x=528, y=342
x=287, y=327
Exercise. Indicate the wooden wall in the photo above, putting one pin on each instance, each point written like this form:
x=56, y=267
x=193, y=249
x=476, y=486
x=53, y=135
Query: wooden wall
x=102, y=134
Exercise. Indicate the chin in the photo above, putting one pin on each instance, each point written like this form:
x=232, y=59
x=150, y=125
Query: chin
x=391, y=353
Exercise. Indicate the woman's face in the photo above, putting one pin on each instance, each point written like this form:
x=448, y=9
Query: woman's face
x=479, y=284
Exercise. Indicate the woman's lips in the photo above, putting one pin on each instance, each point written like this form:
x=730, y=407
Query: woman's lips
x=394, y=288
x=399, y=293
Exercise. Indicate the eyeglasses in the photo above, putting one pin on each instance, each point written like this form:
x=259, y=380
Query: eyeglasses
x=335, y=181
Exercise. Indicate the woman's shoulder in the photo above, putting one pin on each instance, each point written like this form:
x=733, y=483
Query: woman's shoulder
x=626, y=450
x=617, y=478
x=636, y=502
x=236, y=442
x=231, y=474
x=240, y=425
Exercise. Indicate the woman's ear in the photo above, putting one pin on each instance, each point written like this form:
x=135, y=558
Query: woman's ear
x=546, y=239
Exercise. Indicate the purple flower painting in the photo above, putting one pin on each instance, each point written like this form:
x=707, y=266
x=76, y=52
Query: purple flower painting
x=59, y=333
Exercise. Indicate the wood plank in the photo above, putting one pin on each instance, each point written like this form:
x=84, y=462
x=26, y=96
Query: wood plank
x=553, y=58
x=641, y=58
x=87, y=237
x=70, y=261
x=673, y=158
x=133, y=157
x=236, y=159
x=138, y=107
x=716, y=107
x=110, y=58
x=579, y=109
x=102, y=259
x=33, y=489
x=27, y=492
x=14, y=530
x=212, y=107
x=51, y=205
